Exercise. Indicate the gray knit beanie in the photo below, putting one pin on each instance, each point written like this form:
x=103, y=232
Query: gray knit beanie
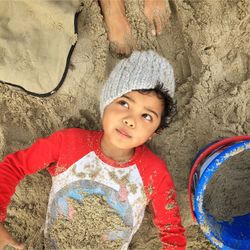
x=142, y=70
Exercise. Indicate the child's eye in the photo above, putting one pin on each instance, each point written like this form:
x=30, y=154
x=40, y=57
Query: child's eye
x=123, y=103
x=147, y=117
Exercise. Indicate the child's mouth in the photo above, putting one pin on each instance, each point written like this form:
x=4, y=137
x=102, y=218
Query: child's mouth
x=123, y=133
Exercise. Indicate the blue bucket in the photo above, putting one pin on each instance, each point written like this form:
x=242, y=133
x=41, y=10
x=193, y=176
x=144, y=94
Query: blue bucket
x=233, y=234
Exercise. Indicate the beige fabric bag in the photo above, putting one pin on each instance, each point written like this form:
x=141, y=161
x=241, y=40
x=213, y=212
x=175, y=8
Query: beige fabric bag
x=36, y=40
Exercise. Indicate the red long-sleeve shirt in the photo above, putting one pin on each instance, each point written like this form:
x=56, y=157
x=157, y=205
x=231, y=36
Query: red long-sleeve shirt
x=75, y=162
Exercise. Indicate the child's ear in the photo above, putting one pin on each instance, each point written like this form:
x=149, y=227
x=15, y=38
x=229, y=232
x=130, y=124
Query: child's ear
x=151, y=137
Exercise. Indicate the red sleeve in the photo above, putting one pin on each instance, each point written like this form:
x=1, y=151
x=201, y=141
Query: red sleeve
x=15, y=166
x=165, y=212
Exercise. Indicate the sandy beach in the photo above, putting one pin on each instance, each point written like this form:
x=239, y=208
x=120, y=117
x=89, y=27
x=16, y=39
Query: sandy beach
x=207, y=43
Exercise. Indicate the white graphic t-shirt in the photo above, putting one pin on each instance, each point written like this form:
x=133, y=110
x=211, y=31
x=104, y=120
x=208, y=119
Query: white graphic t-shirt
x=80, y=169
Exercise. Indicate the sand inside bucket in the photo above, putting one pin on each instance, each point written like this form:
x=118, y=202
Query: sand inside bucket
x=227, y=193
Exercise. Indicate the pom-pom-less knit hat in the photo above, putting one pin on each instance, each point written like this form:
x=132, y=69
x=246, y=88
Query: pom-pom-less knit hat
x=142, y=70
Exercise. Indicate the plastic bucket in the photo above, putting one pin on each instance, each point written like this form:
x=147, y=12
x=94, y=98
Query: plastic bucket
x=223, y=234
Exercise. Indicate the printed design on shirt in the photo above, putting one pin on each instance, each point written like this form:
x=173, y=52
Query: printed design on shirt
x=122, y=189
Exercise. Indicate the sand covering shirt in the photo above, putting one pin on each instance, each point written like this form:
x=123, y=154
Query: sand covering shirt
x=79, y=168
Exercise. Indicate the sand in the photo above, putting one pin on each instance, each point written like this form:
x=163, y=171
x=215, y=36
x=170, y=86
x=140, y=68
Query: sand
x=92, y=221
x=208, y=44
x=227, y=193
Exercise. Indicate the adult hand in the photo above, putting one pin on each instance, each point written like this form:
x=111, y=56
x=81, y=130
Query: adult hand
x=157, y=13
x=7, y=239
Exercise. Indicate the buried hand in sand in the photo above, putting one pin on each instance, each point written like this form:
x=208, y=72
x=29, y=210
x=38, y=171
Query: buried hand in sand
x=157, y=13
x=120, y=35
x=118, y=28
x=7, y=239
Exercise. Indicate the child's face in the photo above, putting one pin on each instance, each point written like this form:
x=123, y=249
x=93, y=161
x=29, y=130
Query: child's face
x=130, y=120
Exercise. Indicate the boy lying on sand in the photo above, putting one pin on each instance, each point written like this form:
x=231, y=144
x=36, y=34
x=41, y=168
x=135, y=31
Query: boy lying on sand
x=112, y=165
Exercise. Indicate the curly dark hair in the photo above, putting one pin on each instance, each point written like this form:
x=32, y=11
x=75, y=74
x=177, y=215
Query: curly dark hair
x=169, y=105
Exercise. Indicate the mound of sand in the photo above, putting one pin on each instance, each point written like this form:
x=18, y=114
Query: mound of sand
x=92, y=221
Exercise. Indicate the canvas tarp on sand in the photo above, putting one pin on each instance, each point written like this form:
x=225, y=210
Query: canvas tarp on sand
x=36, y=38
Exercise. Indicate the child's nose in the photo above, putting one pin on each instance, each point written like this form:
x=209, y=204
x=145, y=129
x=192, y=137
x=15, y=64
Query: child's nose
x=129, y=122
